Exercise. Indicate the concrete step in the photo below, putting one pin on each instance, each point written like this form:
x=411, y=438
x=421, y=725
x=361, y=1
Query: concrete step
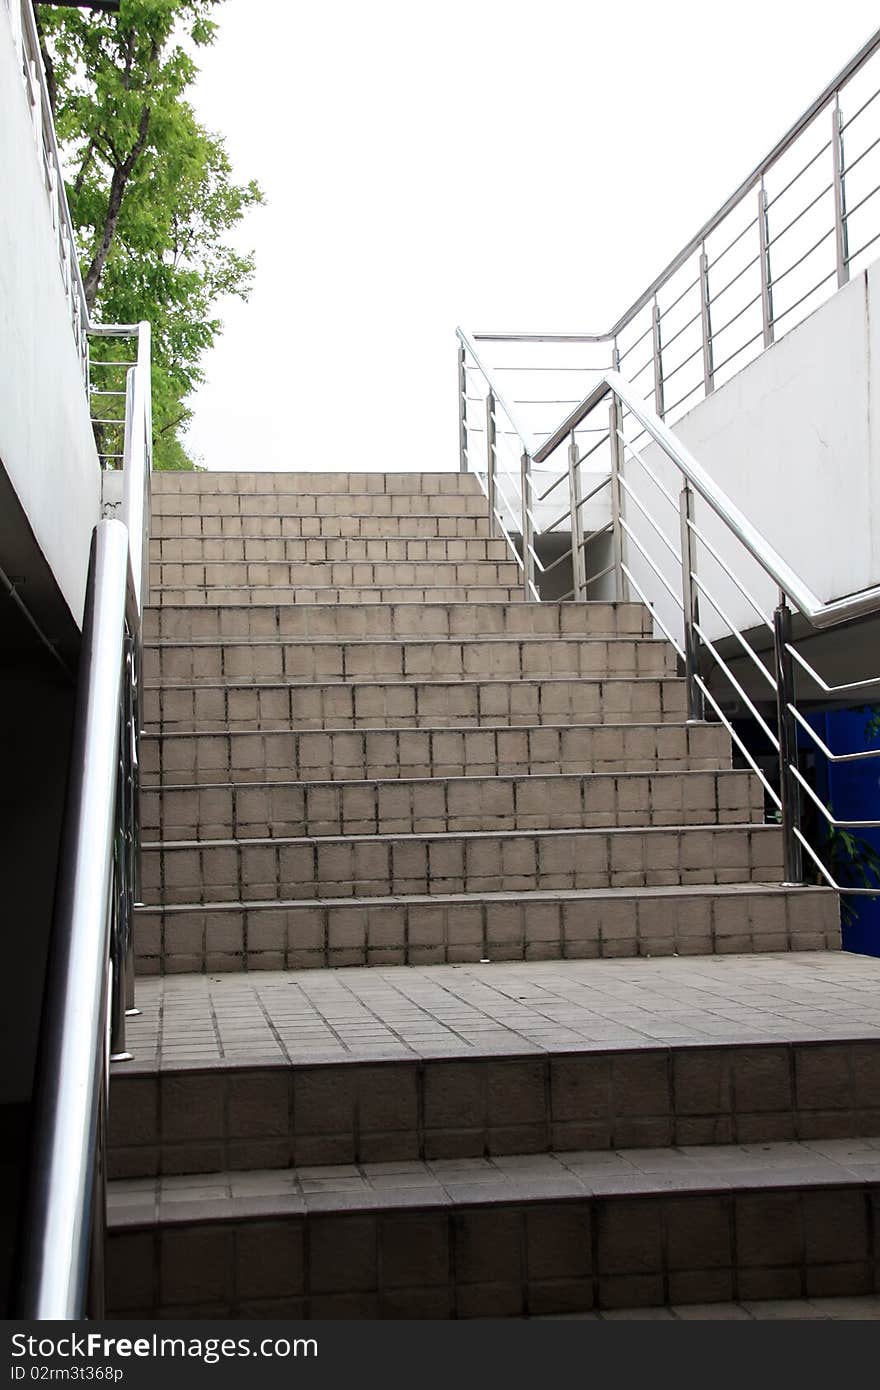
x=172, y=662
x=368, y=866
x=318, y=503
x=351, y=621
x=217, y=482
x=428, y=703
x=439, y=929
x=185, y=757
x=383, y=1066
x=326, y=548
x=519, y=1235
x=262, y=595
x=291, y=574
x=425, y=525
x=264, y=810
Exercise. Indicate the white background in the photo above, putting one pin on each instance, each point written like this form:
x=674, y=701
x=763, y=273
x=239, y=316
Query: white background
x=505, y=165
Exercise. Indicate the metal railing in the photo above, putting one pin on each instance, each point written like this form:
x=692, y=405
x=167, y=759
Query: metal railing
x=27, y=47
x=798, y=226
x=90, y=981
x=677, y=548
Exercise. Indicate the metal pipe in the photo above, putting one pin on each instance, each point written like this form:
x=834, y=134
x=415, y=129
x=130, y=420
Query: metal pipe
x=658, y=361
x=528, y=533
x=59, y=1204
x=462, y=412
x=490, y=455
x=766, y=277
x=578, y=560
x=840, y=237
x=706, y=324
x=690, y=607
x=789, y=790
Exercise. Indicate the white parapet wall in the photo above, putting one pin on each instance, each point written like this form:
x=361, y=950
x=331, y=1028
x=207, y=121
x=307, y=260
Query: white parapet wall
x=794, y=439
x=47, y=451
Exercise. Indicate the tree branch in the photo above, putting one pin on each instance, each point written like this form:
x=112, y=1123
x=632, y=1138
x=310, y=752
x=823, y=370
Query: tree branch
x=118, y=184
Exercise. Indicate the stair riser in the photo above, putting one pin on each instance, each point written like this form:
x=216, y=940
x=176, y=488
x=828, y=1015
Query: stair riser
x=278, y=1117
x=443, y=573
x=492, y=863
x=262, y=595
x=199, y=526
x=314, y=756
x=321, y=551
x=425, y=807
x=402, y=620
x=329, y=484
x=299, y=660
x=505, y=1258
x=400, y=704
x=315, y=935
x=317, y=504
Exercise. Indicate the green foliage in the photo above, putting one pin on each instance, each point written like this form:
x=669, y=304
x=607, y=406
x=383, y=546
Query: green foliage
x=851, y=861
x=151, y=191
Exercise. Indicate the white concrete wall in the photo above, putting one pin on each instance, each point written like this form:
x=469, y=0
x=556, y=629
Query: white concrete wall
x=794, y=439
x=46, y=444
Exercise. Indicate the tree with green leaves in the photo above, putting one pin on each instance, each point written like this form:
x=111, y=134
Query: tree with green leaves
x=151, y=191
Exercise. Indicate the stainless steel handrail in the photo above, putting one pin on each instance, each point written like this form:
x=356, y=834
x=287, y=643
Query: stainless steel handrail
x=89, y=980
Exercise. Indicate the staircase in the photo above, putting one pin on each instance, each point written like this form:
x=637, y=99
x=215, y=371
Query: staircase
x=588, y=1060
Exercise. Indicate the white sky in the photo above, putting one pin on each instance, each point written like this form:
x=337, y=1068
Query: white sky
x=503, y=164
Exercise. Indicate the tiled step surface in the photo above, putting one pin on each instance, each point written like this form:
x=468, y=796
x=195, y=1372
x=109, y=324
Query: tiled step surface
x=268, y=810
x=359, y=866
x=307, y=574
x=855, y=1308
x=318, y=659
x=346, y=1066
x=214, y=483
x=197, y=525
x=314, y=755
x=426, y=703
x=321, y=550
x=403, y=620
x=259, y=595
x=419, y=930
x=505, y=1236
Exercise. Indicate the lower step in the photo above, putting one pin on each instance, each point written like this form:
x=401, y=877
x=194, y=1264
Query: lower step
x=259, y=595
x=700, y=920
x=505, y=1237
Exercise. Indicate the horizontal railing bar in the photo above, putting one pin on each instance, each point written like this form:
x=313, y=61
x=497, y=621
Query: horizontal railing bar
x=540, y=337
x=676, y=554
x=734, y=630
x=698, y=386
x=777, y=279
x=667, y=342
x=777, y=318
x=803, y=212
x=859, y=757
x=826, y=812
x=468, y=346
x=553, y=486
x=774, y=797
x=606, y=435
x=740, y=690
x=716, y=294
x=593, y=490
x=742, y=347
x=624, y=526
x=729, y=573
x=96, y=362
x=658, y=482
x=548, y=401
x=870, y=242
x=667, y=376
x=558, y=522
x=716, y=332
x=634, y=344
x=829, y=879
x=601, y=531
x=628, y=574
x=730, y=245
x=854, y=163
x=535, y=556
x=669, y=308
x=566, y=555
x=500, y=521
x=855, y=115
x=851, y=211
x=99, y=391
x=582, y=370
x=794, y=178
x=829, y=689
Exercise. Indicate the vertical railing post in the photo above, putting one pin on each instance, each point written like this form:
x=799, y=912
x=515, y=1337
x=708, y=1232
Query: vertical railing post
x=528, y=537
x=840, y=238
x=621, y=588
x=578, y=555
x=658, y=360
x=706, y=322
x=766, y=277
x=789, y=790
x=690, y=606
x=491, y=459
x=462, y=412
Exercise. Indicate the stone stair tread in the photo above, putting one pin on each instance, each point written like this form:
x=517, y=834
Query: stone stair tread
x=469, y=1013
x=466, y=639
x=514, y=1178
x=466, y=779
